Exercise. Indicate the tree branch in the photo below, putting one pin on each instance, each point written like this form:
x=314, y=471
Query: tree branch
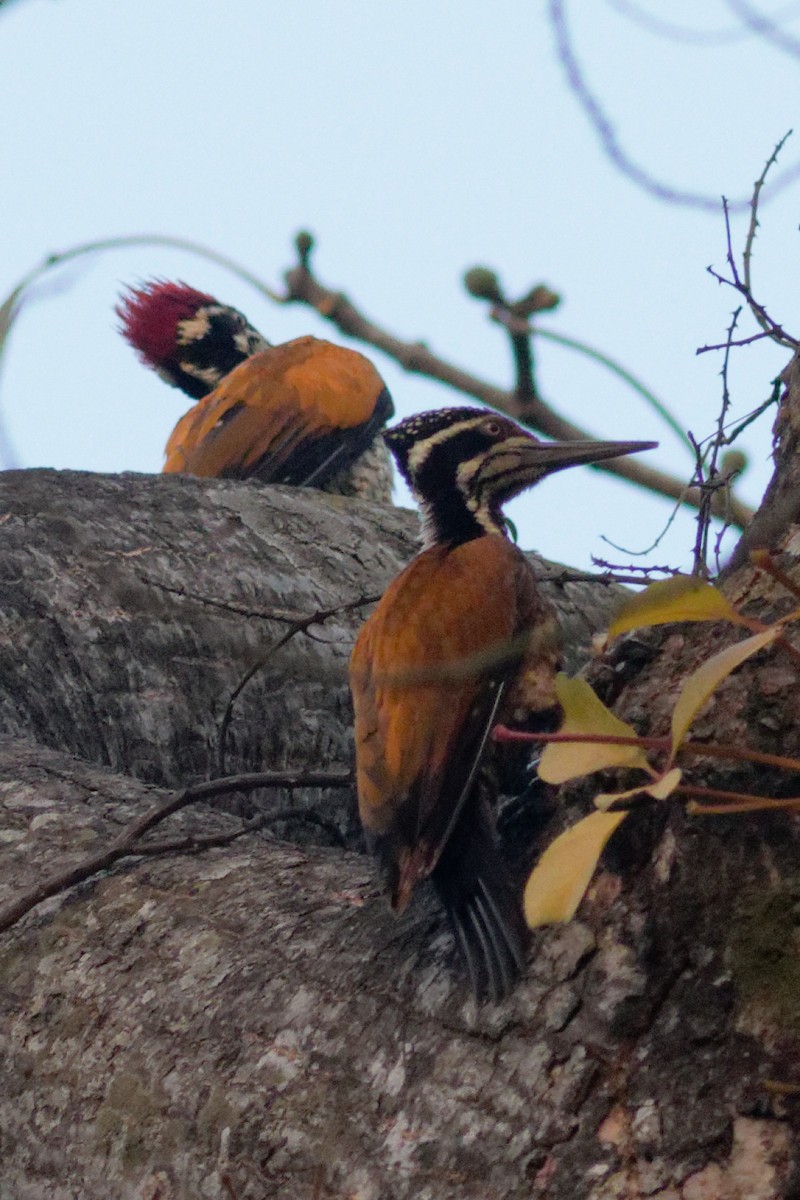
x=126, y=845
x=765, y=27
x=611, y=145
x=304, y=288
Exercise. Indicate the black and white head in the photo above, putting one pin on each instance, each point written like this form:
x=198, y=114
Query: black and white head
x=189, y=338
x=464, y=464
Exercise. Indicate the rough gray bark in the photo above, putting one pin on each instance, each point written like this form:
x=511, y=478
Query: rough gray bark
x=132, y=607
x=250, y=1021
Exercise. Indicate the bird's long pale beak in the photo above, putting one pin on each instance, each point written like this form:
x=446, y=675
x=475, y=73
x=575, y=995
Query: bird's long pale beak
x=554, y=456
x=521, y=461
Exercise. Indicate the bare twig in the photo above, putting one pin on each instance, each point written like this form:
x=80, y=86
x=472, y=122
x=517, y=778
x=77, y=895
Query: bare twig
x=608, y=136
x=126, y=845
x=298, y=625
x=682, y=33
x=520, y=334
x=194, y=843
x=59, y=257
x=286, y=616
x=765, y=27
x=515, y=317
x=656, y=541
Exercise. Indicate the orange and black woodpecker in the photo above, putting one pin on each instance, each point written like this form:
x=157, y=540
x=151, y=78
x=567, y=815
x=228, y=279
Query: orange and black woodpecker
x=462, y=639
x=306, y=412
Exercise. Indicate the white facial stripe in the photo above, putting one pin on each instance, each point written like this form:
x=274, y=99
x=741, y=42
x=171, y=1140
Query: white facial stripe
x=209, y=375
x=482, y=471
x=242, y=342
x=427, y=525
x=193, y=329
x=477, y=474
x=486, y=521
x=466, y=474
x=421, y=450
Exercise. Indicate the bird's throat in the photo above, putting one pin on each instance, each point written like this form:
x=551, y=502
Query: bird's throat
x=448, y=520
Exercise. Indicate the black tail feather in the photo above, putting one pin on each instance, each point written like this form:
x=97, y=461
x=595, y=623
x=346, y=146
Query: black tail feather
x=486, y=915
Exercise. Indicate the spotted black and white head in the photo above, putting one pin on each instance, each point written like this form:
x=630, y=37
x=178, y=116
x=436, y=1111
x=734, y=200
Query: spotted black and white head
x=464, y=464
x=189, y=338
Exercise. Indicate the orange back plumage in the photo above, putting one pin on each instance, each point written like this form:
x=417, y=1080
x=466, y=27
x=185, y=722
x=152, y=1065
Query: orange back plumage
x=290, y=413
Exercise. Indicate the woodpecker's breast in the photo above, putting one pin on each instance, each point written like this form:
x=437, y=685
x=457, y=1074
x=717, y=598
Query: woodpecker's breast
x=423, y=659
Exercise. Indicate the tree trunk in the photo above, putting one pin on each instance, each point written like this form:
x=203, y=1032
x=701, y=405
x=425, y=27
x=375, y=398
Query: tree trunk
x=251, y=1021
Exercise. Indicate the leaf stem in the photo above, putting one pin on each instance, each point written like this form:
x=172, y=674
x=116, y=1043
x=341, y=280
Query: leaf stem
x=501, y=733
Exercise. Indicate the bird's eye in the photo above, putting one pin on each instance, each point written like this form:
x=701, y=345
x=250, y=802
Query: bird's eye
x=493, y=428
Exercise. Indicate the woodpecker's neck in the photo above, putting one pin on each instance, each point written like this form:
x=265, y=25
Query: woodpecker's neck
x=449, y=519
x=446, y=457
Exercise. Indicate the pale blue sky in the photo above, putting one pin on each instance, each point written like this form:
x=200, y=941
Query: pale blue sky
x=415, y=138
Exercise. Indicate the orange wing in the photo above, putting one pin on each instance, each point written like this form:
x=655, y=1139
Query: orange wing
x=421, y=719
x=295, y=413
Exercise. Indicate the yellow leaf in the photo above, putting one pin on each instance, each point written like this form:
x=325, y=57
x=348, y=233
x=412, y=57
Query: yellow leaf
x=557, y=883
x=659, y=789
x=584, y=712
x=681, y=598
x=702, y=682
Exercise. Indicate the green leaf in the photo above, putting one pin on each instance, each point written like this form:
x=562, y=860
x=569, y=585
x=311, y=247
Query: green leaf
x=702, y=682
x=8, y=311
x=584, y=712
x=659, y=789
x=681, y=598
x=559, y=880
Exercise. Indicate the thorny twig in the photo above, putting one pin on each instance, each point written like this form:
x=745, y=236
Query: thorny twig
x=608, y=578
x=742, y=283
x=755, y=337
x=747, y=256
x=641, y=572
x=709, y=478
x=734, y=429
x=127, y=844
